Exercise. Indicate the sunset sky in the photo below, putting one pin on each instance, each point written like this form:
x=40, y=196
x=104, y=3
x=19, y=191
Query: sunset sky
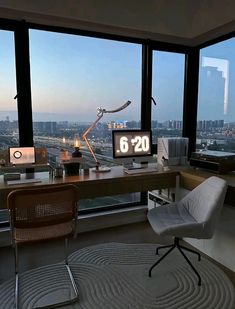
x=73, y=75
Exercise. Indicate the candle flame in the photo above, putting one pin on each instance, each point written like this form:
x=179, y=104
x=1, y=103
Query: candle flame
x=77, y=143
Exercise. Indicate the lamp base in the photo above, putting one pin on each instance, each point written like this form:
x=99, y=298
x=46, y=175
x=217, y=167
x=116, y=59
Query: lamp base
x=101, y=169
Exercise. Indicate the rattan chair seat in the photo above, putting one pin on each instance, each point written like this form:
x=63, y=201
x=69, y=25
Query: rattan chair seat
x=43, y=233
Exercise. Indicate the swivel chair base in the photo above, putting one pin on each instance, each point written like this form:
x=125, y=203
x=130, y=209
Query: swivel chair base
x=179, y=247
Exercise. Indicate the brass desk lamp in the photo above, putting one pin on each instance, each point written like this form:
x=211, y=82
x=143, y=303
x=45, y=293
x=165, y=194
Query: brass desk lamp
x=100, y=113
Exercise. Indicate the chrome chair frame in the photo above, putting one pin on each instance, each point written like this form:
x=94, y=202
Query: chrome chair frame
x=16, y=263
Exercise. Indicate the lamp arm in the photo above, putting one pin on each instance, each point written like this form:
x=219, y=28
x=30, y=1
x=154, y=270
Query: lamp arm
x=84, y=136
x=117, y=109
x=100, y=113
x=92, y=126
x=91, y=149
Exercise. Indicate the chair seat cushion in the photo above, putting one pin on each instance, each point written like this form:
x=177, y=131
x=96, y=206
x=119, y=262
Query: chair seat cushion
x=43, y=233
x=174, y=220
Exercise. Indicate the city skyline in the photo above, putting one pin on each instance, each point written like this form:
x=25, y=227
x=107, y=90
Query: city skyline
x=208, y=123
x=12, y=116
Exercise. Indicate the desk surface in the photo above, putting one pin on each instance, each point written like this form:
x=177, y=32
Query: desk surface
x=190, y=178
x=99, y=184
x=117, y=182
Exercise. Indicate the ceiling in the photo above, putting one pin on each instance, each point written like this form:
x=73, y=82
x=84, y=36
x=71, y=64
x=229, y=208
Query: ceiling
x=189, y=22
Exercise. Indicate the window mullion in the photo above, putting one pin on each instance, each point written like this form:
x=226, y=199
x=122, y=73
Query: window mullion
x=23, y=85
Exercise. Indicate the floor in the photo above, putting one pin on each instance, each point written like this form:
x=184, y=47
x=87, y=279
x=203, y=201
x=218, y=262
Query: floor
x=46, y=253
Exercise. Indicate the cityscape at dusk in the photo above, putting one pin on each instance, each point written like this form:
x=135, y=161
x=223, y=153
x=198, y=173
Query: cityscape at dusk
x=71, y=76
x=117, y=154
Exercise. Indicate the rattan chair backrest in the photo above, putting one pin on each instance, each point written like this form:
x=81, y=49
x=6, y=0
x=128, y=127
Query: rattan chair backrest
x=42, y=206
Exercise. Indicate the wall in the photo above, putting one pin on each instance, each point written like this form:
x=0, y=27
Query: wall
x=222, y=246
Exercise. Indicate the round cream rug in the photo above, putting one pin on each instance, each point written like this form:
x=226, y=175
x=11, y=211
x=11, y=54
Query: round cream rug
x=115, y=276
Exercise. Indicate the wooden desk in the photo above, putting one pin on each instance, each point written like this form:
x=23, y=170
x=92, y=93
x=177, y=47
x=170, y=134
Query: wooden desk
x=100, y=184
x=117, y=182
x=190, y=178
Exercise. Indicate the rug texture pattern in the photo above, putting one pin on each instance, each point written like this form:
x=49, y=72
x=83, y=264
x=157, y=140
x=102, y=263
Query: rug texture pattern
x=115, y=276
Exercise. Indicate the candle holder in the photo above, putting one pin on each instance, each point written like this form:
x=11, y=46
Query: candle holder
x=76, y=153
x=73, y=166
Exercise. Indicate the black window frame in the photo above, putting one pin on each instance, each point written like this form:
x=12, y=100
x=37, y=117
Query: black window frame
x=192, y=54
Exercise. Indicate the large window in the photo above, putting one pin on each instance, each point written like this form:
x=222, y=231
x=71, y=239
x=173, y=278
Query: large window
x=71, y=77
x=216, y=98
x=8, y=106
x=9, y=135
x=168, y=92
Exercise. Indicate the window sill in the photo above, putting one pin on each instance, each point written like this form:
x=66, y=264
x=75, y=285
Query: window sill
x=96, y=221
x=106, y=219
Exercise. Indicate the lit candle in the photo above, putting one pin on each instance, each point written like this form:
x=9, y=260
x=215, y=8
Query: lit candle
x=77, y=143
x=63, y=140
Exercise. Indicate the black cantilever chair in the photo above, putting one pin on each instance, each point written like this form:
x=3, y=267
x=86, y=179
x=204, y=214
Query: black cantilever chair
x=195, y=216
x=41, y=214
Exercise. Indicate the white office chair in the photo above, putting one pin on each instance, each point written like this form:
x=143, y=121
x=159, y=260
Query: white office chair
x=195, y=216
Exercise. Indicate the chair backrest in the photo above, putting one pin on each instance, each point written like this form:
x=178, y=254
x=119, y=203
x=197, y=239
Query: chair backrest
x=205, y=202
x=42, y=206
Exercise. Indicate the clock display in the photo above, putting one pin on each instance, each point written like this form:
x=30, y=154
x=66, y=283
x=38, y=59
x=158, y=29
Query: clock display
x=139, y=143
x=131, y=143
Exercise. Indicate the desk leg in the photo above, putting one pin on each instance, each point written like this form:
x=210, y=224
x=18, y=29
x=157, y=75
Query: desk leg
x=177, y=189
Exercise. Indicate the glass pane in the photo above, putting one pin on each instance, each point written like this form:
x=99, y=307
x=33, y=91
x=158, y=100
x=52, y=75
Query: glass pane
x=216, y=98
x=168, y=92
x=9, y=135
x=71, y=77
x=102, y=202
x=74, y=75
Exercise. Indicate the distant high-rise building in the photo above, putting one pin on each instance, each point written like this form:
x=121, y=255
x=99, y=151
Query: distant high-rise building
x=117, y=124
x=49, y=127
x=211, y=93
x=207, y=125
